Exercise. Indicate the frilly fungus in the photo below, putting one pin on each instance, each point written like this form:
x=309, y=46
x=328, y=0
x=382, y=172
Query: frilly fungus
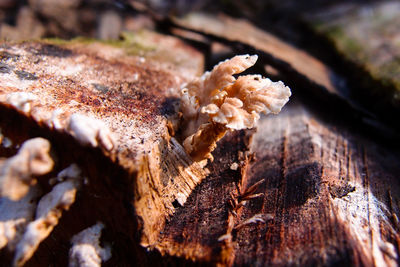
x=218, y=102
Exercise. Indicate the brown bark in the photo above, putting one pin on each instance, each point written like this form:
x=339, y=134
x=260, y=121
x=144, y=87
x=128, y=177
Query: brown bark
x=304, y=189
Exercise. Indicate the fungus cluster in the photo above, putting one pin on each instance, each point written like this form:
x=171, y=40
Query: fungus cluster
x=27, y=216
x=217, y=102
x=86, y=250
x=19, y=172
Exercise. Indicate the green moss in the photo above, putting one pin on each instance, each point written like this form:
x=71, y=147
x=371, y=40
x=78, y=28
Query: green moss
x=367, y=44
x=132, y=43
x=391, y=71
x=77, y=40
x=348, y=46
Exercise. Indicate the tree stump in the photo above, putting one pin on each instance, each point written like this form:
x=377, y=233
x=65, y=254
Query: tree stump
x=308, y=187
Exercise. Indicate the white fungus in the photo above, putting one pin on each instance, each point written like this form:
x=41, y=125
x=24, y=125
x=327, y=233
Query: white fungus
x=217, y=102
x=18, y=173
x=90, y=131
x=21, y=100
x=48, y=213
x=86, y=250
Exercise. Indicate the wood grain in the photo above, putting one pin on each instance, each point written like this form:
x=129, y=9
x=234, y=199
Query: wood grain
x=326, y=195
x=307, y=188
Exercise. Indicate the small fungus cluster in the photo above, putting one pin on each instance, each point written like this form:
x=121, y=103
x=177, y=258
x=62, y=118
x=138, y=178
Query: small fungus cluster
x=217, y=102
x=27, y=216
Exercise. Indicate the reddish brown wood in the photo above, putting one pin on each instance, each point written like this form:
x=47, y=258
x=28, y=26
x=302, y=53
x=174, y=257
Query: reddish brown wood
x=318, y=191
x=327, y=195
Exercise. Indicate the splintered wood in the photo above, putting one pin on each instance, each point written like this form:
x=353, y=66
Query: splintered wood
x=327, y=190
x=306, y=193
x=119, y=188
x=105, y=113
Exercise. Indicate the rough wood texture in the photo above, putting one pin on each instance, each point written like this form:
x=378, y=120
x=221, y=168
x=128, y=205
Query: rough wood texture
x=302, y=190
x=324, y=195
x=120, y=137
x=330, y=193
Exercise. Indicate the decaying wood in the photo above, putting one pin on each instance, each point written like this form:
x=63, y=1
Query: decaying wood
x=328, y=191
x=89, y=99
x=307, y=193
x=301, y=190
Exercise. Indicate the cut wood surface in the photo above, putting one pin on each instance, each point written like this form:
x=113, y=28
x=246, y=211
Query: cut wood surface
x=307, y=193
x=106, y=111
x=332, y=196
x=308, y=187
